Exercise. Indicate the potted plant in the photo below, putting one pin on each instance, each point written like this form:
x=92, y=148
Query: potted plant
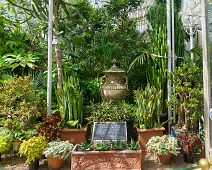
x=70, y=101
x=147, y=114
x=57, y=152
x=190, y=143
x=163, y=146
x=187, y=97
x=115, y=155
x=5, y=143
x=49, y=128
x=20, y=105
x=33, y=150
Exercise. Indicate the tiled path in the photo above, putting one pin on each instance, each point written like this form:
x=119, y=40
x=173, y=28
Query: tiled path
x=149, y=163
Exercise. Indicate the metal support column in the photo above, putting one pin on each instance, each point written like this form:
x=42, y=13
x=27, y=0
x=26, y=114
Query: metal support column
x=169, y=56
x=49, y=83
x=206, y=79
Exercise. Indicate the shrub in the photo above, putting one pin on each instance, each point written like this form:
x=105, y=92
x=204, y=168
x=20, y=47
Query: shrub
x=33, y=148
x=162, y=145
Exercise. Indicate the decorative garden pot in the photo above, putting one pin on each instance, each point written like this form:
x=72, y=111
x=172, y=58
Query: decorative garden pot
x=188, y=157
x=75, y=136
x=16, y=145
x=34, y=165
x=145, y=134
x=113, y=87
x=55, y=163
x=165, y=159
x=98, y=160
x=174, y=131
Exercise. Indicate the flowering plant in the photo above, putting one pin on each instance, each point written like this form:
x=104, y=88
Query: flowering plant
x=189, y=142
x=49, y=128
x=162, y=145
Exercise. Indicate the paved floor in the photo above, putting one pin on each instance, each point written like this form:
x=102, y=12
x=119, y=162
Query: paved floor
x=150, y=162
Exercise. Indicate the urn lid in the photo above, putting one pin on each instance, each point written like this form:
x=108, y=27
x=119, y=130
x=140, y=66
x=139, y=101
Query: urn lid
x=114, y=68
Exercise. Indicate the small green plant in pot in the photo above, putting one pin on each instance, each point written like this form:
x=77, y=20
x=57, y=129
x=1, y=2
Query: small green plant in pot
x=57, y=152
x=33, y=149
x=163, y=146
x=147, y=115
x=70, y=101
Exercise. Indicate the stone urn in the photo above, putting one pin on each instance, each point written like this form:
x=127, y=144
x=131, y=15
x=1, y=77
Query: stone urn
x=114, y=84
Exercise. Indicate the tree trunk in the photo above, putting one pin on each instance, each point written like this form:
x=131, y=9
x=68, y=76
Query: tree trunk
x=58, y=51
x=59, y=66
x=187, y=113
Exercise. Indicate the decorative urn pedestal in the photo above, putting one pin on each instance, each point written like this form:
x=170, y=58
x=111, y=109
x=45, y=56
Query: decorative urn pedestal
x=114, y=84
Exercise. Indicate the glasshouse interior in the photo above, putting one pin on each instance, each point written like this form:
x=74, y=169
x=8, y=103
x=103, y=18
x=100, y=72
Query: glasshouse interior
x=105, y=84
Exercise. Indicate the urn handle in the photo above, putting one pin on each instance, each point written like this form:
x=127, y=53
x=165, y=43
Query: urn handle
x=126, y=81
x=102, y=80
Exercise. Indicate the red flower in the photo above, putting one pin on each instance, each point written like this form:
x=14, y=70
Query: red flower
x=189, y=142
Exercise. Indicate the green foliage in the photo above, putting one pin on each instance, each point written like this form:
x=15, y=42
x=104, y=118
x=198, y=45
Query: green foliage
x=153, y=63
x=162, y=145
x=70, y=101
x=33, y=148
x=112, y=145
x=5, y=143
x=102, y=147
x=187, y=95
x=108, y=112
x=87, y=146
x=59, y=149
x=27, y=60
x=20, y=104
x=96, y=36
x=157, y=16
x=149, y=109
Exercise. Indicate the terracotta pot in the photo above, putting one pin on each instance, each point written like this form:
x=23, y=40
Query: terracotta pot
x=55, y=163
x=75, y=136
x=16, y=145
x=114, y=160
x=165, y=159
x=145, y=134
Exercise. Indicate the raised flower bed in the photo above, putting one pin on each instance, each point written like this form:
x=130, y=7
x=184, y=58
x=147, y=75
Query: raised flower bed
x=107, y=159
